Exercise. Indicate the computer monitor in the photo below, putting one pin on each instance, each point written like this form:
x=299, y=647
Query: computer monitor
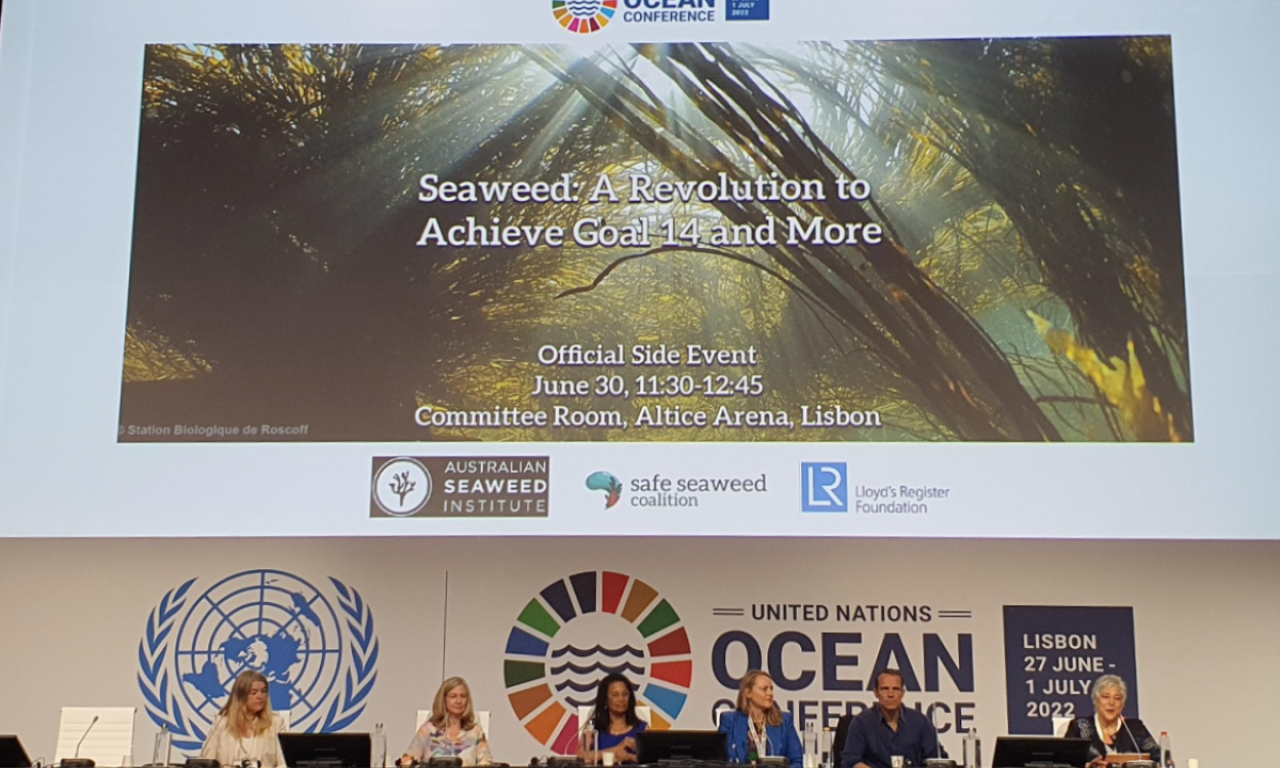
x=12, y=755
x=654, y=746
x=327, y=750
x=1017, y=751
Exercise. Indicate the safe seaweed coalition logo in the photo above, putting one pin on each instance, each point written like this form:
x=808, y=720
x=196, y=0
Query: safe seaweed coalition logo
x=584, y=16
x=581, y=628
x=607, y=484
x=321, y=662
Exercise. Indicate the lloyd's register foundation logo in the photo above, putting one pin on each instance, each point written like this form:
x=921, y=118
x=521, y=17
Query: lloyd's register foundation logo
x=316, y=648
x=824, y=486
x=581, y=628
x=460, y=486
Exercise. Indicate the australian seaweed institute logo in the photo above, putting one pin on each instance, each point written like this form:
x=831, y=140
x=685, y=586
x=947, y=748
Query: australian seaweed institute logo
x=581, y=628
x=584, y=16
x=460, y=486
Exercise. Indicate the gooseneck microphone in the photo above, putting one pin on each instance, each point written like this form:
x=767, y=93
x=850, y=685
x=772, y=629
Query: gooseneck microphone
x=939, y=761
x=77, y=761
x=85, y=735
x=1136, y=746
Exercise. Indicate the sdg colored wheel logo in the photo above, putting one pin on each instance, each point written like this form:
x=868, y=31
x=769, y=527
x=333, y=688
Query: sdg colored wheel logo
x=318, y=650
x=581, y=628
x=584, y=16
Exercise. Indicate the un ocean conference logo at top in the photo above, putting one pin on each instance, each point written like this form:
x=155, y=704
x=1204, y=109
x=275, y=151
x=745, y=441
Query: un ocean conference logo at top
x=581, y=628
x=584, y=16
x=317, y=649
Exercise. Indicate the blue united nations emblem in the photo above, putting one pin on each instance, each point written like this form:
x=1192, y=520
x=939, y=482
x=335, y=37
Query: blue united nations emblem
x=320, y=655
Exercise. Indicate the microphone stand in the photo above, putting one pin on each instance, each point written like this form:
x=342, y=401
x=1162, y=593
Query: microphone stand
x=1136, y=746
x=76, y=761
x=939, y=761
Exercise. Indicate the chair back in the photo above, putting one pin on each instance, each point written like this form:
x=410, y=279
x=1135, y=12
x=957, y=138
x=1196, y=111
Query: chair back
x=108, y=742
x=840, y=737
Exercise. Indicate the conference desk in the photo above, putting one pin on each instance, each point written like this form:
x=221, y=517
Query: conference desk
x=533, y=762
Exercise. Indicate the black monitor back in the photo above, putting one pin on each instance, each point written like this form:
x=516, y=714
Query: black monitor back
x=12, y=755
x=1017, y=751
x=654, y=746
x=327, y=750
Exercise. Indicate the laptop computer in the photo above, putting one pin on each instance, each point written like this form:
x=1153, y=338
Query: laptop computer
x=12, y=755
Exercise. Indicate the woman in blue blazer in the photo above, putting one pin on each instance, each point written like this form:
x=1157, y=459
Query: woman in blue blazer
x=757, y=728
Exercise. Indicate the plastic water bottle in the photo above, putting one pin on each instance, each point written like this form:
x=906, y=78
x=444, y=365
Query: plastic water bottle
x=379, y=746
x=590, y=742
x=1166, y=751
x=811, y=745
x=825, y=747
x=972, y=749
x=163, y=748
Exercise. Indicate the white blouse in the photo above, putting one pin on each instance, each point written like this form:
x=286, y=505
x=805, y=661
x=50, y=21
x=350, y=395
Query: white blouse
x=231, y=748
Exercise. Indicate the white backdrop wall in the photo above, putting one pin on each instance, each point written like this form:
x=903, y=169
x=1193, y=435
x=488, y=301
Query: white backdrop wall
x=76, y=616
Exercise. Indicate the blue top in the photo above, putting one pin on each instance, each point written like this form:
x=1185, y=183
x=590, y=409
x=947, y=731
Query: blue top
x=873, y=742
x=783, y=739
x=611, y=740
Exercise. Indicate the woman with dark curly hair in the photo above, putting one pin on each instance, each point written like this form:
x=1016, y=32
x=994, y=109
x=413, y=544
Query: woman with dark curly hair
x=615, y=720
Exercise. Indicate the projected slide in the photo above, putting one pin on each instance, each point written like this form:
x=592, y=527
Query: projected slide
x=954, y=240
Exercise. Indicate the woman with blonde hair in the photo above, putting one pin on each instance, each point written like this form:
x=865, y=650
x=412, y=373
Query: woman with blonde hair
x=452, y=729
x=758, y=728
x=246, y=729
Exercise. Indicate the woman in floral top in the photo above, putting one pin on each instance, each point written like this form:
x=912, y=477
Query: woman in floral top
x=452, y=729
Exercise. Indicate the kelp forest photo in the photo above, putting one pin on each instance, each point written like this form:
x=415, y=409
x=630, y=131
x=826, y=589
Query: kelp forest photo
x=942, y=240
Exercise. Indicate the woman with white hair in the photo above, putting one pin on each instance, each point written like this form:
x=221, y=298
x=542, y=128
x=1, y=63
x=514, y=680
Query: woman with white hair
x=1109, y=731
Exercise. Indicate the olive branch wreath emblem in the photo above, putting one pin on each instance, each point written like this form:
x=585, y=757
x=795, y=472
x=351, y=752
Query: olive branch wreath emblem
x=159, y=683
